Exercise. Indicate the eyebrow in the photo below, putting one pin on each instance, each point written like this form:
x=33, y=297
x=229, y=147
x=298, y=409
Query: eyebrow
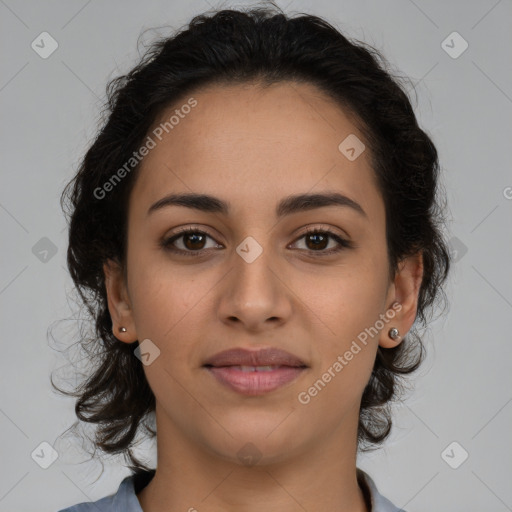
x=287, y=206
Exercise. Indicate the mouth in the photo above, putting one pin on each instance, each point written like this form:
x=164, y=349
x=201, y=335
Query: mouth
x=255, y=372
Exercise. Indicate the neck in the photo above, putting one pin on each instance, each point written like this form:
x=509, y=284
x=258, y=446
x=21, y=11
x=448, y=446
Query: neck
x=188, y=477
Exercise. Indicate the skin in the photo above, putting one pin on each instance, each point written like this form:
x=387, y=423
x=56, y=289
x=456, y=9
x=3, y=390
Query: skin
x=253, y=147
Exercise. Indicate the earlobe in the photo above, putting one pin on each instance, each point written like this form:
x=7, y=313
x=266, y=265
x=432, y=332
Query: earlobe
x=406, y=289
x=119, y=306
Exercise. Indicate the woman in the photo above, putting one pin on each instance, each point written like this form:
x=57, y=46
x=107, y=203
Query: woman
x=256, y=233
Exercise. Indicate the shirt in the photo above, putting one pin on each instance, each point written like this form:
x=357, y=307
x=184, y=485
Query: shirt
x=125, y=499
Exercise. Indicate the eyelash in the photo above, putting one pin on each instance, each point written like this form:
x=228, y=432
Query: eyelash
x=343, y=243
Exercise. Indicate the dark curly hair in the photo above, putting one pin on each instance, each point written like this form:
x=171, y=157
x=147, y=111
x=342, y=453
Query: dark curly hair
x=257, y=45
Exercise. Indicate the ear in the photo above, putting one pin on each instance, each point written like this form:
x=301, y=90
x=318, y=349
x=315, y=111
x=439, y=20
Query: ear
x=119, y=304
x=404, y=292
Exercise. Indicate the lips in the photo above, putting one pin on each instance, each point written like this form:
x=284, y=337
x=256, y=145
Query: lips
x=255, y=372
x=255, y=358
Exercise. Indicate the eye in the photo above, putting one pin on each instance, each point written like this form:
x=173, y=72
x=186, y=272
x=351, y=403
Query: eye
x=191, y=240
x=317, y=240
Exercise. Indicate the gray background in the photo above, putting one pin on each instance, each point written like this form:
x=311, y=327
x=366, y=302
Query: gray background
x=462, y=392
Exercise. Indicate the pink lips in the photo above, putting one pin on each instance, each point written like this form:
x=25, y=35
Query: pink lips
x=255, y=372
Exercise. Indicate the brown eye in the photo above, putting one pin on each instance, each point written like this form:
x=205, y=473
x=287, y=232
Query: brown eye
x=194, y=241
x=190, y=242
x=318, y=241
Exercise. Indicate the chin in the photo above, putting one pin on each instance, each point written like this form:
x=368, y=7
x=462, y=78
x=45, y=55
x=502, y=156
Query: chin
x=257, y=443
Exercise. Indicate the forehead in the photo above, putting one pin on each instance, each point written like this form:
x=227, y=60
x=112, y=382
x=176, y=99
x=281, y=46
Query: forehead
x=254, y=143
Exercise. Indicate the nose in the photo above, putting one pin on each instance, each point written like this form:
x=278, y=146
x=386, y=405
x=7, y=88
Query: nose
x=255, y=295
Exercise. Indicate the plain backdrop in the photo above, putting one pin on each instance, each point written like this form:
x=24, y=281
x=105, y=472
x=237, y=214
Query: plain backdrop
x=49, y=111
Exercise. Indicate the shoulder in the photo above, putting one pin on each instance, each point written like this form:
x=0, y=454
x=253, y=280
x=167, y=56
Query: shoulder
x=378, y=502
x=105, y=504
x=123, y=500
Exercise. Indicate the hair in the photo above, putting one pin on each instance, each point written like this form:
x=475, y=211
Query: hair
x=260, y=46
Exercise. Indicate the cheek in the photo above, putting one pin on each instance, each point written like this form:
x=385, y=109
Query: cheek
x=168, y=309
x=347, y=299
x=345, y=354
x=349, y=307
x=163, y=301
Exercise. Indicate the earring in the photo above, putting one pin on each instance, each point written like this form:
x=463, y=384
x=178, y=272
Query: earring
x=122, y=329
x=394, y=333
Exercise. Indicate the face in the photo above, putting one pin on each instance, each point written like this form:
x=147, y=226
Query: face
x=250, y=276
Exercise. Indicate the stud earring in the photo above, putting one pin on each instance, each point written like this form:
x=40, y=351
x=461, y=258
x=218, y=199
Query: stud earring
x=122, y=329
x=394, y=333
